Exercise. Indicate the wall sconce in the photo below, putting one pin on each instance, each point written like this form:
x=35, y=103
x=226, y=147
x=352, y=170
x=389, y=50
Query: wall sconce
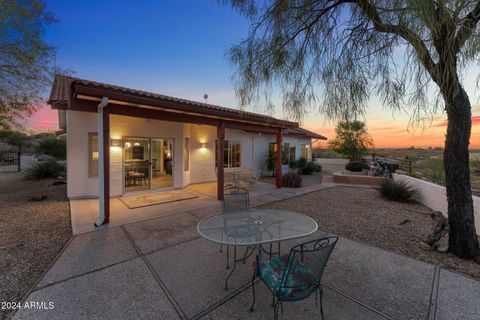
x=204, y=146
x=128, y=145
x=116, y=143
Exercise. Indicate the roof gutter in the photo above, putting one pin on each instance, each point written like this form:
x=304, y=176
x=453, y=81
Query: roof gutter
x=101, y=157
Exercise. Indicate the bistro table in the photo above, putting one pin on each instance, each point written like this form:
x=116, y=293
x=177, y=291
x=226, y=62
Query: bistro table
x=254, y=230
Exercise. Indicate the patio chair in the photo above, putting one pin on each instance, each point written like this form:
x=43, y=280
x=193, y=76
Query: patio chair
x=295, y=276
x=234, y=199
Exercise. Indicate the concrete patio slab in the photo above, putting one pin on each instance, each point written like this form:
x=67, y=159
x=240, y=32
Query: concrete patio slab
x=125, y=291
x=90, y=252
x=395, y=285
x=458, y=297
x=194, y=273
x=335, y=305
x=84, y=212
x=160, y=233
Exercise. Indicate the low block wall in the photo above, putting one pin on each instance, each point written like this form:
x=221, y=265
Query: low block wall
x=352, y=178
x=331, y=165
x=434, y=196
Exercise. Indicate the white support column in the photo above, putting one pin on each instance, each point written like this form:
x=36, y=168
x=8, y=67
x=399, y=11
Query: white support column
x=101, y=157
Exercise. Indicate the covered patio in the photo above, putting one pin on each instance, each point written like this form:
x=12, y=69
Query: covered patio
x=118, y=119
x=83, y=211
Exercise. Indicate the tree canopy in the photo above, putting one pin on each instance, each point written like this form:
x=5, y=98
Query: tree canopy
x=333, y=55
x=352, y=139
x=25, y=59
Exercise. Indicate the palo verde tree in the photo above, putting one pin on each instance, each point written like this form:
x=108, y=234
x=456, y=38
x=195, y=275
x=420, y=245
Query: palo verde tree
x=405, y=51
x=352, y=139
x=25, y=59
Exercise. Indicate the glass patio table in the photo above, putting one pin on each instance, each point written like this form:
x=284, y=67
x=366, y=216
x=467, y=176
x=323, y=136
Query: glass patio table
x=255, y=229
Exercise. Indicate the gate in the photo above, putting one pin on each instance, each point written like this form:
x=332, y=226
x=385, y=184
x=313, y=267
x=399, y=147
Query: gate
x=9, y=161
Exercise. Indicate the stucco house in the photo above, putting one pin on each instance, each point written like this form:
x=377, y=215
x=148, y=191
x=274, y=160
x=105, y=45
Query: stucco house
x=122, y=141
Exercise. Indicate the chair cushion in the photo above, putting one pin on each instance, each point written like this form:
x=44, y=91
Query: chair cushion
x=300, y=278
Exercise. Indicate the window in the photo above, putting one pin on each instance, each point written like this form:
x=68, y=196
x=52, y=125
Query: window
x=92, y=154
x=231, y=154
x=186, y=154
x=286, y=153
x=305, y=151
x=292, y=154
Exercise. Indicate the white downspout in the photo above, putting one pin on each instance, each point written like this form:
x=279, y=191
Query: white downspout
x=101, y=156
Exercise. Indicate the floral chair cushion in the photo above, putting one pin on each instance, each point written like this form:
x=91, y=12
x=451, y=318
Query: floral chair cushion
x=298, y=280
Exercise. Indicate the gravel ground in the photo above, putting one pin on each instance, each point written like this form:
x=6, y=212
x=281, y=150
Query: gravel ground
x=32, y=233
x=363, y=215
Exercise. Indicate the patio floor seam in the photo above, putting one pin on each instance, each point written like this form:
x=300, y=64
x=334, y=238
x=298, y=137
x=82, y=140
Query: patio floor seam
x=355, y=300
x=157, y=278
x=222, y=301
x=83, y=274
x=432, y=308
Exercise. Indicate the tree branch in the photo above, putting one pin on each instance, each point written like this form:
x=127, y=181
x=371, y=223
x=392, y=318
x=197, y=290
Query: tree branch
x=411, y=37
x=468, y=26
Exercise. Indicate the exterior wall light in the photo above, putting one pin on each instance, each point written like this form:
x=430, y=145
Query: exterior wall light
x=116, y=143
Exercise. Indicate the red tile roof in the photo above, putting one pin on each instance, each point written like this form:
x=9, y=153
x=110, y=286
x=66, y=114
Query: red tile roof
x=64, y=85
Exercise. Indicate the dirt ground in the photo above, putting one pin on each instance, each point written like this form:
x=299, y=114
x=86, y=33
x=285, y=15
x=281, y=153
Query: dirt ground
x=362, y=214
x=32, y=233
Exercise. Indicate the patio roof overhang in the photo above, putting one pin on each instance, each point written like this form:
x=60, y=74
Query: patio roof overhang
x=83, y=95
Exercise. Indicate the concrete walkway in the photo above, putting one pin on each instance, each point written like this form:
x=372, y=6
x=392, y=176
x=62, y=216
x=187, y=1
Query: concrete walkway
x=162, y=269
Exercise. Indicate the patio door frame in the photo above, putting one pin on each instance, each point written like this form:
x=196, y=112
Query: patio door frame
x=150, y=176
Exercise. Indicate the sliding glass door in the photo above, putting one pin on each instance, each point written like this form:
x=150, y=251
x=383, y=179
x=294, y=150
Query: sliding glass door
x=162, y=163
x=148, y=163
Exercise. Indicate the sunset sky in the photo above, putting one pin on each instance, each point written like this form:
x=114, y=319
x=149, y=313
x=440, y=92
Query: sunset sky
x=177, y=48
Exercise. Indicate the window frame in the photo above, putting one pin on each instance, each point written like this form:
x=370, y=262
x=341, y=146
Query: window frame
x=227, y=153
x=186, y=154
x=92, y=147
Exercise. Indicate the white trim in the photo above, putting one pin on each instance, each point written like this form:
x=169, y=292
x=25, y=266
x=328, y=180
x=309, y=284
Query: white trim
x=101, y=157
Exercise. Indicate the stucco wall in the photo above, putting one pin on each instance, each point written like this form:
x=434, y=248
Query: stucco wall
x=202, y=164
x=79, y=124
x=202, y=159
x=434, y=196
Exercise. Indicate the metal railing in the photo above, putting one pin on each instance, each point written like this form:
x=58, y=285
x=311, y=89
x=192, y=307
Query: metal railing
x=10, y=161
x=433, y=172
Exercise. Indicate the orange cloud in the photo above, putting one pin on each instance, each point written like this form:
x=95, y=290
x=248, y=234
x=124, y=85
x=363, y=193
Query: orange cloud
x=398, y=136
x=44, y=119
x=475, y=122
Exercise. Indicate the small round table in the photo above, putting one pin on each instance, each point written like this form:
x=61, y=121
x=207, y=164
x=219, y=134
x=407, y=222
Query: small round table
x=253, y=229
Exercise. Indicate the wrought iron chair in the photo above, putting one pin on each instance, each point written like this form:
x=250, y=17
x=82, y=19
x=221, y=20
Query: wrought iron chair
x=234, y=199
x=295, y=276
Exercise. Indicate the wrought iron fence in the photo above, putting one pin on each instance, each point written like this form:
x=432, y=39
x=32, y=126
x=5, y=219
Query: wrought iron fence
x=9, y=161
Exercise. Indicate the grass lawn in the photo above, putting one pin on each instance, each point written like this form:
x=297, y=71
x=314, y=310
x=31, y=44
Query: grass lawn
x=363, y=215
x=32, y=233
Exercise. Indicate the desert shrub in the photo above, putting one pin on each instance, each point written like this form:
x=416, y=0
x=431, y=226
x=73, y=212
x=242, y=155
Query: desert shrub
x=292, y=179
x=44, y=170
x=356, y=166
x=397, y=190
x=54, y=147
x=306, y=167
